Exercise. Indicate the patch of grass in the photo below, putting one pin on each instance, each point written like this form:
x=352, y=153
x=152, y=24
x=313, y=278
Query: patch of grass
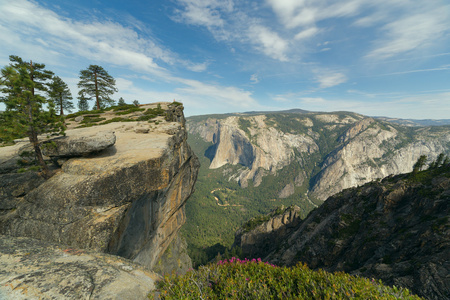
x=92, y=119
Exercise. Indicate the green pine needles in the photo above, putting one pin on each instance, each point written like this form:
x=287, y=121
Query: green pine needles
x=96, y=83
x=28, y=112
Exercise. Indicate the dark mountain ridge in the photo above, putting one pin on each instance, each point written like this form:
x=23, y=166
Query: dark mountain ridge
x=396, y=229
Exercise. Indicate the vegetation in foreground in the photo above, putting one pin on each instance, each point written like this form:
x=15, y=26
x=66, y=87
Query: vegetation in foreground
x=254, y=279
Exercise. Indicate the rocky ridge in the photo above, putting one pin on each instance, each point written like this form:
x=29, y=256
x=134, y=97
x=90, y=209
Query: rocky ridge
x=125, y=198
x=257, y=237
x=396, y=230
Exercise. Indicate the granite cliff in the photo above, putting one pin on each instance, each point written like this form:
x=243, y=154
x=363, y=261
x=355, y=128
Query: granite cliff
x=396, y=229
x=334, y=150
x=118, y=188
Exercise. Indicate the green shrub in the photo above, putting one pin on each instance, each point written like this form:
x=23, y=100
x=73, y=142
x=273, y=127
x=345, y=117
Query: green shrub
x=245, y=279
x=158, y=111
x=116, y=119
x=128, y=110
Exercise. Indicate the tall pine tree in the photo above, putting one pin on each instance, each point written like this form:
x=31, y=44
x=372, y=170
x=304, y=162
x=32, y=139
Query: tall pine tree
x=24, y=85
x=60, y=94
x=96, y=83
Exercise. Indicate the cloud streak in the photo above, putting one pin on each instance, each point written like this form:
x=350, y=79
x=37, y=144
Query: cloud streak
x=412, y=33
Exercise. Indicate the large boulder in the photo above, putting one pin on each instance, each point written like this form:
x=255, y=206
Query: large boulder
x=78, y=143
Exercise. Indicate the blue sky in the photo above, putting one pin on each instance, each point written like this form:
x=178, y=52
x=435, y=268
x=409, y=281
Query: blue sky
x=379, y=58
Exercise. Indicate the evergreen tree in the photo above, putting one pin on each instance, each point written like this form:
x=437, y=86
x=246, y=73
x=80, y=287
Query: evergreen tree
x=96, y=83
x=439, y=160
x=60, y=94
x=82, y=103
x=419, y=164
x=446, y=161
x=136, y=103
x=23, y=85
x=121, y=102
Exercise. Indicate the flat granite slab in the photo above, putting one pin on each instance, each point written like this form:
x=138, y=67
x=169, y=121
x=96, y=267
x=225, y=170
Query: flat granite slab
x=33, y=269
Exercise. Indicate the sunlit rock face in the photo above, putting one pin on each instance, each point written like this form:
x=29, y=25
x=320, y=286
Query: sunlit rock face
x=335, y=150
x=127, y=199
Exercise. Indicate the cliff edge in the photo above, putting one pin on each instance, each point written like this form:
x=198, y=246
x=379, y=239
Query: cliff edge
x=125, y=197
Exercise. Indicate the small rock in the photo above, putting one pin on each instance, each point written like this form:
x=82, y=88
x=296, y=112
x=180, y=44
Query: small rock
x=79, y=119
x=141, y=130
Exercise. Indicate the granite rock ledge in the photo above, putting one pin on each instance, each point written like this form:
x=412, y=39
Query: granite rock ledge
x=125, y=200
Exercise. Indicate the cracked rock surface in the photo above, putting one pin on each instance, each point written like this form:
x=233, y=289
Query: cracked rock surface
x=33, y=269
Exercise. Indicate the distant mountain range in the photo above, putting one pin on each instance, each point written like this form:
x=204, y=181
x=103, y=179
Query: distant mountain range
x=413, y=122
x=405, y=122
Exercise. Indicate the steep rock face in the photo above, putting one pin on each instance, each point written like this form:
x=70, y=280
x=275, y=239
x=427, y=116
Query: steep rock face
x=260, y=241
x=261, y=147
x=33, y=269
x=397, y=230
x=363, y=157
x=127, y=200
x=335, y=150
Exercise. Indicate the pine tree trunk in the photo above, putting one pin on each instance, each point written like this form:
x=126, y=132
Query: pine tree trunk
x=61, y=113
x=37, y=150
x=96, y=92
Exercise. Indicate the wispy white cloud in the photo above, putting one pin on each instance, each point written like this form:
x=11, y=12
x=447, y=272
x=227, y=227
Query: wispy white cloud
x=269, y=42
x=225, y=97
x=441, y=68
x=416, y=32
x=105, y=41
x=306, y=12
x=206, y=13
x=328, y=79
x=307, y=33
x=254, y=78
x=431, y=106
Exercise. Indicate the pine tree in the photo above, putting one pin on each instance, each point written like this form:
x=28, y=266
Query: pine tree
x=419, y=164
x=60, y=94
x=23, y=85
x=83, y=103
x=121, y=102
x=96, y=83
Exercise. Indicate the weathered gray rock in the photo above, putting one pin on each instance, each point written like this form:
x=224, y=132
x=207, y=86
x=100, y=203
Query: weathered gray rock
x=265, y=237
x=126, y=200
x=78, y=143
x=33, y=269
x=175, y=258
x=286, y=191
x=142, y=130
x=14, y=186
x=9, y=156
